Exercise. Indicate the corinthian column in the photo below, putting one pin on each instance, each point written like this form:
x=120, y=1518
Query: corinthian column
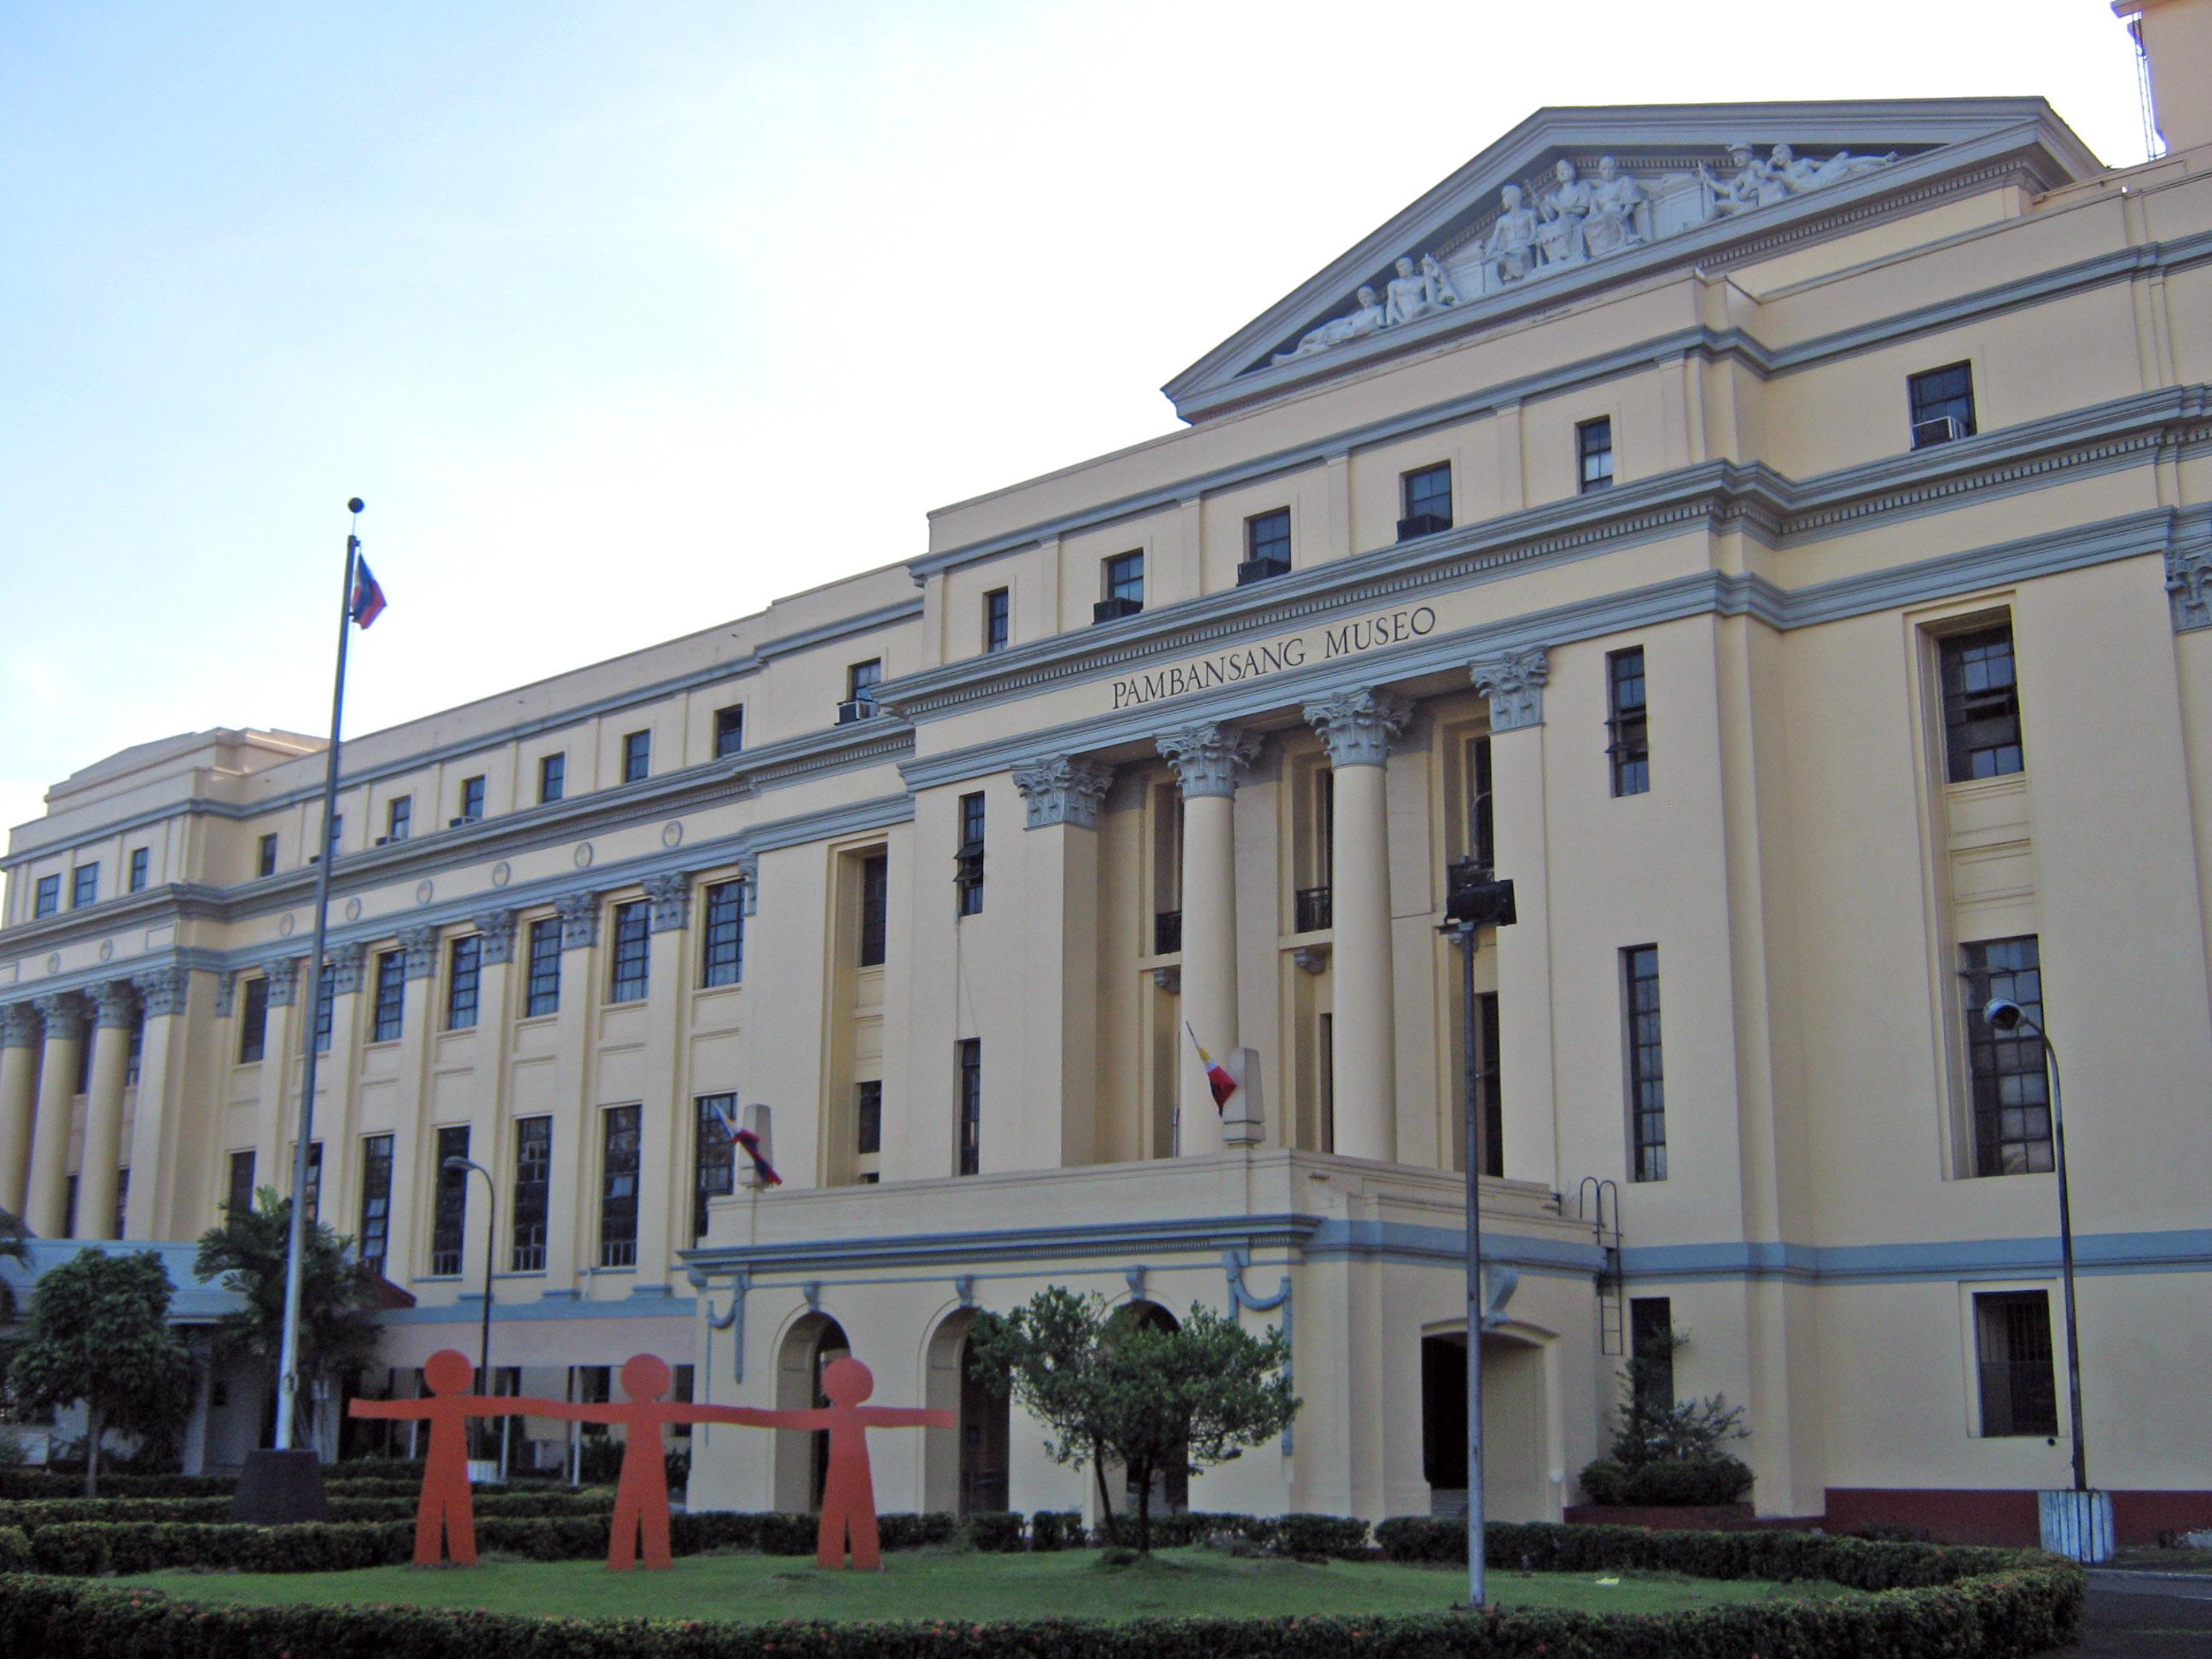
x=1357, y=727
x=1206, y=758
x=19, y=1094
x=103, y=1117
x=45, y=1199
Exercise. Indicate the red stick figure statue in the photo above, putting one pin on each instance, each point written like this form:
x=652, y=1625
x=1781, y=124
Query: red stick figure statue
x=848, y=1496
x=445, y=1501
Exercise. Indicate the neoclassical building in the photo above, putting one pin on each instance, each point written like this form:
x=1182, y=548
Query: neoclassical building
x=1775, y=536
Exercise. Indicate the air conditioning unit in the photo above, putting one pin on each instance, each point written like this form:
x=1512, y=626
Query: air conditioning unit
x=384, y=840
x=1114, y=609
x=455, y=824
x=1943, y=429
x=1258, y=570
x=1422, y=524
x=856, y=708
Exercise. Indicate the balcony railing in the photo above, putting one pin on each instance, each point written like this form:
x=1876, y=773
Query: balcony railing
x=1313, y=914
x=1167, y=932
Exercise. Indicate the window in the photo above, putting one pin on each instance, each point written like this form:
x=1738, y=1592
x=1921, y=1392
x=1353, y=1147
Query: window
x=861, y=680
x=68, y=1210
x=84, y=1060
x=998, y=619
x=1427, y=496
x=875, y=907
x=142, y=860
x=971, y=1105
x=375, y=1230
x=335, y=838
x=48, y=900
x=714, y=1158
x=1942, y=402
x=252, y=1021
x=134, y=1058
x=1594, y=454
x=968, y=862
x=399, y=818
x=472, y=799
x=1981, y=704
x=1266, y=545
x=1489, y=1086
x=618, y=1187
x=633, y=952
x=449, y=1213
x=722, y=961
x=1651, y=1346
x=240, y=1200
x=2011, y=1089
x=463, y=981
x=1481, y=824
x=552, y=778
x=326, y=1002
x=729, y=730
x=1124, y=578
x=391, y=997
x=314, y=1179
x=1647, y=1081
x=534, y=1182
x=84, y=886
x=637, y=757
x=542, y=996
x=1630, y=750
x=122, y=1199
x=267, y=861
x=2012, y=1349
x=868, y=1117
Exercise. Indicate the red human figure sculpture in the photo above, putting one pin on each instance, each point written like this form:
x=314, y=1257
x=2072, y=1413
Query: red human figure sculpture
x=445, y=1501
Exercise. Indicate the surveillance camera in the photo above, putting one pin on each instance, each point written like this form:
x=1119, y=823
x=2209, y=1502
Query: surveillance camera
x=2003, y=1016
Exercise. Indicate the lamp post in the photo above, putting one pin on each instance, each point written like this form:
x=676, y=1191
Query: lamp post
x=1474, y=899
x=2004, y=1016
x=491, y=1248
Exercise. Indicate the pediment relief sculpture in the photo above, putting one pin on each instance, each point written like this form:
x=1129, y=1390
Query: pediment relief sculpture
x=1566, y=219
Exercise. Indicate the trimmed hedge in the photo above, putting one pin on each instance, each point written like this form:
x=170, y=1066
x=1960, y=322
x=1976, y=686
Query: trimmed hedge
x=1057, y=1529
x=215, y=1511
x=2019, y=1610
x=994, y=1530
x=1668, y=1481
x=35, y=1484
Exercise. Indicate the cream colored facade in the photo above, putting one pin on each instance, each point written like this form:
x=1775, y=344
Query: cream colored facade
x=1279, y=770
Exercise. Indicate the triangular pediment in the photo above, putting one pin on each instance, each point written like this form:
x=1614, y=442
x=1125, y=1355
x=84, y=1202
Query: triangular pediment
x=1575, y=199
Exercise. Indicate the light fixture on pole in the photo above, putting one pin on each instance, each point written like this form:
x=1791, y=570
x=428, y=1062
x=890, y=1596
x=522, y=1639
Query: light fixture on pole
x=491, y=1246
x=1473, y=899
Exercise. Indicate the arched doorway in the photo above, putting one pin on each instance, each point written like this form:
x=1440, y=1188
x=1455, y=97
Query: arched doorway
x=1171, y=1484
x=802, y=1457
x=1513, y=1427
x=964, y=1467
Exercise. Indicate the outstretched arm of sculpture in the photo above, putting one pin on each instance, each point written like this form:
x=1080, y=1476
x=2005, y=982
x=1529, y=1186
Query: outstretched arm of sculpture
x=753, y=1415
x=576, y=1411
x=905, y=1416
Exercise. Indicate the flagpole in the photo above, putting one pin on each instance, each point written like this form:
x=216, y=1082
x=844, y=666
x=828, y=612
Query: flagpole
x=288, y=1362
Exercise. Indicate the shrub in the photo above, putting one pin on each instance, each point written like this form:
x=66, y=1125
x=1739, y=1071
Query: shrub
x=995, y=1531
x=1321, y=1534
x=1057, y=1529
x=913, y=1532
x=15, y=1549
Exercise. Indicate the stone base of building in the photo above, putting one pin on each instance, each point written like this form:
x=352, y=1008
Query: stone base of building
x=1996, y=1516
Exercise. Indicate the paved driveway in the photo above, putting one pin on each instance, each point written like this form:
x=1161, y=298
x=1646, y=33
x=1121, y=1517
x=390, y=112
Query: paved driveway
x=2133, y=1616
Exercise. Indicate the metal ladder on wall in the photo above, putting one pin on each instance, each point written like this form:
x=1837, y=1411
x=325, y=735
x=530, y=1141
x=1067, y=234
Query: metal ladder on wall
x=1597, y=1205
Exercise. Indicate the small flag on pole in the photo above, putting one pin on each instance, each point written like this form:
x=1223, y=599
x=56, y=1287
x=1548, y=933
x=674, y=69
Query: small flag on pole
x=368, y=598
x=749, y=1143
x=1217, y=1076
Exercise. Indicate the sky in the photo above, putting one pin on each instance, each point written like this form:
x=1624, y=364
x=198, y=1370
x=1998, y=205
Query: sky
x=625, y=319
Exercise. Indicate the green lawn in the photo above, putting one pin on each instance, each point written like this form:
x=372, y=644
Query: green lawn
x=926, y=1584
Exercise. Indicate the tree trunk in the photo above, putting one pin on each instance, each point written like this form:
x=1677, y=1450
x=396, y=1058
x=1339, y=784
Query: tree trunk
x=1105, y=1503
x=1143, y=1474
x=94, y=1427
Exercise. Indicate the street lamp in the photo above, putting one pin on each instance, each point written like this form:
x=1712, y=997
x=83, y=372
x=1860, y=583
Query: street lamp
x=2003, y=1016
x=1473, y=899
x=491, y=1246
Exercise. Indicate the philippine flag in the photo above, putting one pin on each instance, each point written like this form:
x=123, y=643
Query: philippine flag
x=368, y=598
x=1218, y=1079
x=751, y=1143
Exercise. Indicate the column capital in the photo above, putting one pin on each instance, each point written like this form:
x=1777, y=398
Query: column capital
x=162, y=991
x=1062, y=789
x=283, y=981
x=579, y=919
x=1357, y=725
x=1207, y=757
x=226, y=993
x=114, y=1006
x=2189, y=586
x=497, y=928
x=1514, y=683
x=63, y=1015
x=670, y=896
x=748, y=865
x=19, y=1026
x=419, y=946
x=346, y=964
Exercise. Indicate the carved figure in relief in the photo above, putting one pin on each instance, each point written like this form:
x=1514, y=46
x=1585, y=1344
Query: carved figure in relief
x=1441, y=291
x=1408, y=294
x=1509, y=254
x=1564, y=209
x=1620, y=211
x=1366, y=321
x=1801, y=173
x=1753, y=184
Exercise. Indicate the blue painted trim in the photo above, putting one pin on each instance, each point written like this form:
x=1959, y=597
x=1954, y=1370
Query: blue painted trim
x=666, y=1306
x=1210, y=1234
x=2180, y=1250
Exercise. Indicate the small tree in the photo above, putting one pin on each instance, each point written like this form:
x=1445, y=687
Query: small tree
x=1667, y=1450
x=338, y=1295
x=12, y=1248
x=1111, y=1385
x=99, y=1333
